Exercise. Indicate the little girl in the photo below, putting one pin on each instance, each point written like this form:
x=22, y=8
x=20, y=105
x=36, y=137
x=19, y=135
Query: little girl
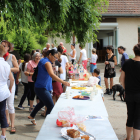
x=94, y=58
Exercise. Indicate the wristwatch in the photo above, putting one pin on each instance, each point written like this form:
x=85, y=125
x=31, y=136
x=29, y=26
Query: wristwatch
x=29, y=73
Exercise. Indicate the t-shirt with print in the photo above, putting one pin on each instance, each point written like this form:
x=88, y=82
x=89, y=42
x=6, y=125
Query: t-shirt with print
x=124, y=58
x=31, y=65
x=56, y=63
x=24, y=78
x=132, y=76
x=84, y=54
x=63, y=64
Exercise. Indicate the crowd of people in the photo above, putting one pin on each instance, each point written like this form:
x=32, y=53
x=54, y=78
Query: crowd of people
x=51, y=65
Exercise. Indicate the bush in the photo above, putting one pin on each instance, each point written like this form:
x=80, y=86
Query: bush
x=26, y=40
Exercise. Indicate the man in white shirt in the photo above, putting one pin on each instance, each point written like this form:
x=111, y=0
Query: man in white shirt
x=47, y=46
x=54, y=47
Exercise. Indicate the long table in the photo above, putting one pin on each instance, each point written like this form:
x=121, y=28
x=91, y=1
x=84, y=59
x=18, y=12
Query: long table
x=101, y=129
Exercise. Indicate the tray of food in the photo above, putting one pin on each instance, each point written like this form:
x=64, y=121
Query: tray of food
x=72, y=133
x=79, y=88
x=80, y=97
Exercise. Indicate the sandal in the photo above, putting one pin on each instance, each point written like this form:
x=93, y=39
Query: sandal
x=9, y=125
x=43, y=114
x=30, y=109
x=32, y=120
x=13, y=130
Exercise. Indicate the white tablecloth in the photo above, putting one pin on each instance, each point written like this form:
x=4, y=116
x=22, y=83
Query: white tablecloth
x=83, y=107
x=101, y=129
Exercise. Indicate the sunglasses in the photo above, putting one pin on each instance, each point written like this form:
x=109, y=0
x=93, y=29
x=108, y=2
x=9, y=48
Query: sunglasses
x=55, y=57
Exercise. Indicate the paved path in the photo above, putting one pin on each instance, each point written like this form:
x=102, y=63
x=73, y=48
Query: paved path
x=116, y=110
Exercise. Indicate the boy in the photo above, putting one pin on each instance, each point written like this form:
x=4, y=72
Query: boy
x=96, y=73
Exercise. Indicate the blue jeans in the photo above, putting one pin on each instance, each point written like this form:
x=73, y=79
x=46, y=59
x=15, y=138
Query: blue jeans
x=92, y=67
x=45, y=99
x=3, y=120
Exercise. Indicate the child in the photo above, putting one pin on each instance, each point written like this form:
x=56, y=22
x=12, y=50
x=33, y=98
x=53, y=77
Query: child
x=96, y=74
x=93, y=60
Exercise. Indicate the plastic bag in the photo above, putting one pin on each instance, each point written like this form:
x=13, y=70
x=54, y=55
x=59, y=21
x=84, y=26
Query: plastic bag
x=93, y=81
x=67, y=118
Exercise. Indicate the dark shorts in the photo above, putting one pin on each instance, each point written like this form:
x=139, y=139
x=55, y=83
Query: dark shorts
x=133, y=110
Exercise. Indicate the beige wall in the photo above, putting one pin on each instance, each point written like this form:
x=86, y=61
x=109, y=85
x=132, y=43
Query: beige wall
x=128, y=33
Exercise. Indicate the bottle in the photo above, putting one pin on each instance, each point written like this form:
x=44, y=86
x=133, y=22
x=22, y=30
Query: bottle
x=56, y=70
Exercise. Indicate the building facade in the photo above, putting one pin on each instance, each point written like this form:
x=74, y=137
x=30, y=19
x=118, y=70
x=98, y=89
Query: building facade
x=120, y=25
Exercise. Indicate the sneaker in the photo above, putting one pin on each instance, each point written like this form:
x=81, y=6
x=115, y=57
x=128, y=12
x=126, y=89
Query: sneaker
x=20, y=107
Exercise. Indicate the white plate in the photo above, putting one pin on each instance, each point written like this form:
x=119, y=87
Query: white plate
x=64, y=133
x=73, y=84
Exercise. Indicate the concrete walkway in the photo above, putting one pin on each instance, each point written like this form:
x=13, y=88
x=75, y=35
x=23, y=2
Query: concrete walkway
x=26, y=131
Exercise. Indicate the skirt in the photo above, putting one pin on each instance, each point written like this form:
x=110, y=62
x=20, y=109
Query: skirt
x=57, y=88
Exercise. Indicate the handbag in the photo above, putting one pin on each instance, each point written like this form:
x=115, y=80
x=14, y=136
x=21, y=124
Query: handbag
x=110, y=70
x=34, y=76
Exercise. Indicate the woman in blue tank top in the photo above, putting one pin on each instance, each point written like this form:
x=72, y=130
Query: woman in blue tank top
x=43, y=84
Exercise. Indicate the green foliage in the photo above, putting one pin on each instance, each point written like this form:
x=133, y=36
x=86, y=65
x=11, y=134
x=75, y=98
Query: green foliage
x=131, y=56
x=25, y=22
x=25, y=40
x=82, y=20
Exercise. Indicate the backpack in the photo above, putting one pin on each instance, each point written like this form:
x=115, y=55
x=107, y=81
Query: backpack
x=34, y=76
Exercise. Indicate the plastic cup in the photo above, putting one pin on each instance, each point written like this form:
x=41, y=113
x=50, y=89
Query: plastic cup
x=94, y=87
x=96, y=91
x=67, y=94
x=56, y=68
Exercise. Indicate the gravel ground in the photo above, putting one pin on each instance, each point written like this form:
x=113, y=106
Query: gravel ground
x=116, y=111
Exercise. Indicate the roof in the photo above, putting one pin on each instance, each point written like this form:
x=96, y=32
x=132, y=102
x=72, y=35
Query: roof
x=123, y=7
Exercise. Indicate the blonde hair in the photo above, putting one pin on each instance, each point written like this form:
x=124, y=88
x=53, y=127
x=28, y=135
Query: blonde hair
x=94, y=50
x=2, y=50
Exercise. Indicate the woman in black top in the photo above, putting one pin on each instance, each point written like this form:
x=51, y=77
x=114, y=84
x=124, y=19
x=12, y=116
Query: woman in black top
x=130, y=80
x=110, y=62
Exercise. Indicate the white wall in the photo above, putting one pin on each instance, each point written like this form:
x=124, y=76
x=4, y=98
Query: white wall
x=128, y=33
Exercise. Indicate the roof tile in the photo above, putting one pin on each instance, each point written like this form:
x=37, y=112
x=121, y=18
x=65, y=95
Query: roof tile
x=123, y=7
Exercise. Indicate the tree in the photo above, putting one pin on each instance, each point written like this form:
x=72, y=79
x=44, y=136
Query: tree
x=82, y=20
x=56, y=17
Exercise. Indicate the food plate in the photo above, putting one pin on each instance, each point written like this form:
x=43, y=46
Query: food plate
x=98, y=87
x=73, y=84
x=64, y=133
x=79, y=88
x=85, y=98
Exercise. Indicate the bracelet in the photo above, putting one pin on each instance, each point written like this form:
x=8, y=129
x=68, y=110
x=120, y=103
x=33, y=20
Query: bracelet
x=29, y=73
